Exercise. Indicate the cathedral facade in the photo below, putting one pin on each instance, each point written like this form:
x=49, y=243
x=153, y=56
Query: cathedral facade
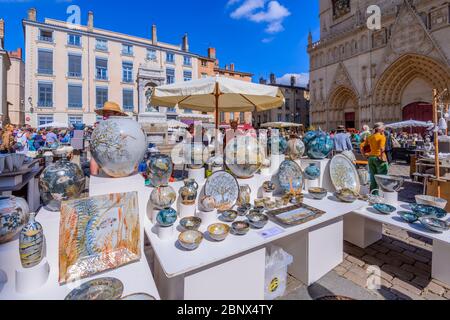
x=360, y=74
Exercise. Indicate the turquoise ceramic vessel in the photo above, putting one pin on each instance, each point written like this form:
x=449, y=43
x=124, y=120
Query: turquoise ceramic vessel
x=166, y=217
x=31, y=243
x=422, y=210
x=384, y=208
x=282, y=145
x=160, y=169
x=319, y=145
x=312, y=172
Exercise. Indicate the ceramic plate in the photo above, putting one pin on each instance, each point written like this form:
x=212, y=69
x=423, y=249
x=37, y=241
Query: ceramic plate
x=290, y=176
x=224, y=188
x=138, y=296
x=344, y=174
x=98, y=289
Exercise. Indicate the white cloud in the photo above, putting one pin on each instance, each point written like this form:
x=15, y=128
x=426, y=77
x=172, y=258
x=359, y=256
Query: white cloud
x=301, y=79
x=261, y=11
x=267, y=40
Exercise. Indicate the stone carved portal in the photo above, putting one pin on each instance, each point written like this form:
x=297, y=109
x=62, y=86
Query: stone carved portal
x=344, y=110
x=149, y=88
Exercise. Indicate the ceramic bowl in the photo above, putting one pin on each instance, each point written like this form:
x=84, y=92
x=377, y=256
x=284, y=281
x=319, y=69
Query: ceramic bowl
x=240, y=228
x=229, y=215
x=260, y=209
x=424, y=210
x=318, y=193
x=431, y=201
x=167, y=217
x=259, y=203
x=279, y=203
x=384, y=208
x=269, y=186
x=244, y=209
x=270, y=205
x=408, y=216
x=346, y=195
x=389, y=183
x=191, y=239
x=434, y=224
x=257, y=220
x=218, y=231
x=190, y=223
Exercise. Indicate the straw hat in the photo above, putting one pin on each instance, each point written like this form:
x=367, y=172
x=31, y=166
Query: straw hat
x=110, y=109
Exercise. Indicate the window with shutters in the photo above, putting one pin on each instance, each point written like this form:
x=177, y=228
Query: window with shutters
x=170, y=75
x=127, y=72
x=101, y=96
x=45, y=62
x=101, y=66
x=75, y=98
x=74, y=66
x=45, y=95
x=128, y=104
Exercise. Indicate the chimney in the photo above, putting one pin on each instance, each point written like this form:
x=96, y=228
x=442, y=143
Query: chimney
x=2, y=33
x=90, y=23
x=273, y=80
x=154, y=34
x=212, y=53
x=16, y=54
x=293, y=81
x=32, y=14
x=185, y=46
x=232, y=66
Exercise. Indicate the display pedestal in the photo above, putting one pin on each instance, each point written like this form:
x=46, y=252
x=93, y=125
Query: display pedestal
x=208, y=218
x=187, y=210
x=164, y=233
x=275, y=161
x=198, y=175
x=311, y=184
x=28, y=280
x=390, y=197
x=324, y=165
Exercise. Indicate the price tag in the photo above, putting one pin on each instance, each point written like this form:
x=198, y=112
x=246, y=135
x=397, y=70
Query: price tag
x=266, y=234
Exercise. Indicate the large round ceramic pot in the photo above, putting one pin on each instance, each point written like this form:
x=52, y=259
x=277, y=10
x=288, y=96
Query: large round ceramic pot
x=195, y=155
x=295, y=149
x=279, y=145
x=61, y=181
x=188, y=192
x=13, y=216
x=159, y=169
x=118, y=145
x=312, y=172
x=163, y=197
x=244, y=156
x=320, y=146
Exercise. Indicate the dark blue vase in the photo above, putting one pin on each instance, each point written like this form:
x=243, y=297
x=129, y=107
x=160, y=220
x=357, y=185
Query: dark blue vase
x=312, y=172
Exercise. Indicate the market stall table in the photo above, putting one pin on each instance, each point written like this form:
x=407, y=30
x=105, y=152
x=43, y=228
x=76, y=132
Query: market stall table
x=364, y=227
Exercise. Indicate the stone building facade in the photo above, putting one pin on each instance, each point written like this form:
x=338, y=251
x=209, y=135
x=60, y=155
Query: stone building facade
x=361, y=75
x=16, y=88
x=5, y=64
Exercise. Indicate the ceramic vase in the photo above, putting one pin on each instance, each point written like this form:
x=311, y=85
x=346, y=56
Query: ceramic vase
x=319, y=145
x=312, y=172
x=166, y=217
x=207, y=203
x=188, y=193
x=160, y=168
x=244, y=194
x=278, y=145
x=14, y=215
x=295, y=149
x=244, y=156
x=31, y=243
x=61, y=181
x=163, y=197
x=363, y=176
x=118, y=145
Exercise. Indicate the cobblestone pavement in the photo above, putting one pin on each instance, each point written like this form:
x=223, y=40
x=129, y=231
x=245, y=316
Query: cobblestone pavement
x=404, y=260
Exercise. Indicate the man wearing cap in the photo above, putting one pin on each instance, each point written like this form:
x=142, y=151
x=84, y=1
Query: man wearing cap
x=342, y=141
x=378, y=163
x=110, y=109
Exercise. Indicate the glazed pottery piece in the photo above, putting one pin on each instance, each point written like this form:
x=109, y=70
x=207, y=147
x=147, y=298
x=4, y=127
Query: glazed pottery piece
x=208, y=203
x=434, y=224
x=98, y=289
x=118, y=145
x=218, y=231
x=364, y=177
x=312, y=172
x=279, y=203
x=424, y=210
x=257, y=220
x=240, y=228
x=373, y=198
x=408, y=216
x=224, y=188
x=269, y=186
x=295, y=149
x=61, y=181
x=318, y=144
x=190, y=240
x=389, y=183
x=259, y=203
x=190, y=223
x=159, y=169
x=188, y=192
x=244, y=194
x=229, y=215
x=318, y=193
x=290, y=176
x=278, y=145
x=244, y=209
x=163, y=197
x=431, y=201
x=270, y=205
x=13, y=216
x=346, y=195
x=31, y=243
x=139, y=296
x=167, y=217
x=384, y=208
x=343, y=174
x=195, y=155
x=244, y=156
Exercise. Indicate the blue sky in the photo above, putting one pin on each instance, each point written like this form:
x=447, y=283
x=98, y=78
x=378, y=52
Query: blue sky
x=259, y=36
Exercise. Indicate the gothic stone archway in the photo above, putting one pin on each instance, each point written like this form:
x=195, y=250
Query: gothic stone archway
x=343, y=108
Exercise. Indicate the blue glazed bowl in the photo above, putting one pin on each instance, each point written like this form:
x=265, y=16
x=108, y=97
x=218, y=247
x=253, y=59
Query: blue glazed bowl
x=434, y=224
x=166, y=217
x=384, y=208
x=408, y=216
x=422, y=210
x=257, y=220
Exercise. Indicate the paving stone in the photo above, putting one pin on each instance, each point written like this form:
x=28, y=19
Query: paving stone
x=405, y=246
x=346, y=264
x=418, y=272
x=447, y=295
x=407, y=285
x=379, y=248
x=386, y=293
x=386, y=239
x=356, y=261
x=340, y=270
x=385, y=283
x=424, y=253
x=401, y=257
x=423, y=266
x=397, y=272
x=354, y=251
x=404, y=294
x=356, y=279
x=386, y=276
x=389, y=259
x=432, y=296
x=359, y=271
x=435, y=288
x=372, y=260
x=370, y=251
x=393, y=247
x=421, y=281
x=442, y=284
x=416, y=256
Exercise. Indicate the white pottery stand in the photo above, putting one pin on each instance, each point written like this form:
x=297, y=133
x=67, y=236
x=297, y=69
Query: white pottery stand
x=390, y=197
x=311, y=184
x=208, y=218
x=187, y=210
x=275, y=161
x=198, y=175
x=30, y=279
x=164, y=233
x=324, y=165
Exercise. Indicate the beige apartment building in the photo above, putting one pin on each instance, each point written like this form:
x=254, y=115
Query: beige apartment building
x=5, y=65
x=16, y=88
x=72, y=70
x=361, y=75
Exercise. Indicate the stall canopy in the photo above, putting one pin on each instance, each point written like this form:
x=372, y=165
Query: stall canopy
x=410, y=124
x=281, y=125
x=176, y=124
x=58, y=125
x=218, y=94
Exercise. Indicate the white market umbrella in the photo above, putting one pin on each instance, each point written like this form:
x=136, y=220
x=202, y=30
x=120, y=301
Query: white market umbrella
x=218, y=94
x=280, y=125
x=58, y=125
x=176, y=124
x=410, y=124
